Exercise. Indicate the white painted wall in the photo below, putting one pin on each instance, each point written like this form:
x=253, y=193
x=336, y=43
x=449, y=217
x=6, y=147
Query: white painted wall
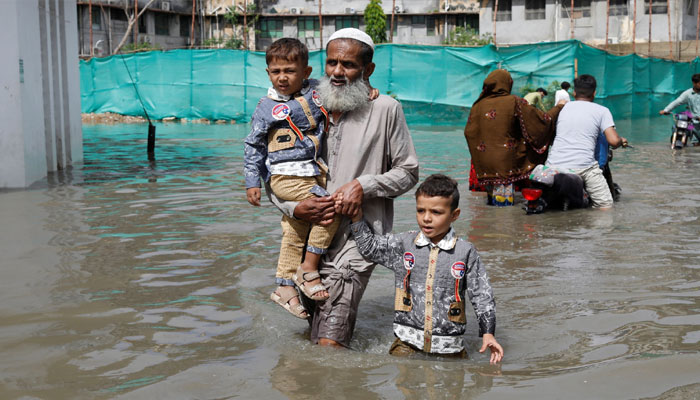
x=39, y=90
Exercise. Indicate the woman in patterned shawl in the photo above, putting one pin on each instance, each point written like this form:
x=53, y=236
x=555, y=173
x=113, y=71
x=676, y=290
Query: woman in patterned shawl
x=507, y=137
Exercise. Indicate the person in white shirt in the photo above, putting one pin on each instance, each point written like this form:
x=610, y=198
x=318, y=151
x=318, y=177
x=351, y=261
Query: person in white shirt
x=578, y=126
x=563, y=93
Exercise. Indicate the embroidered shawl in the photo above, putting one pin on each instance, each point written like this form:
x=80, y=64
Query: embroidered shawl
x=507, y=137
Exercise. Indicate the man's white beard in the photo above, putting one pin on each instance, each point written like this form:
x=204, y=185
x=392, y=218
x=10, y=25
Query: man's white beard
x=348, y=97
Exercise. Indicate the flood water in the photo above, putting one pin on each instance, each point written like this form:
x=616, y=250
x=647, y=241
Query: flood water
x=128, y=280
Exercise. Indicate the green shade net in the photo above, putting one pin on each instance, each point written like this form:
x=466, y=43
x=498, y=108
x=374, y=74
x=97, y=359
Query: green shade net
x=435, y=84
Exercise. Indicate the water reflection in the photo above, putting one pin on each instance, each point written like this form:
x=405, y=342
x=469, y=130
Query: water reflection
x=137, y=279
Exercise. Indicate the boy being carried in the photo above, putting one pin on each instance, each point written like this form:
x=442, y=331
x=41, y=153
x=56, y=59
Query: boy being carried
x=284, y=147
x=433, y=271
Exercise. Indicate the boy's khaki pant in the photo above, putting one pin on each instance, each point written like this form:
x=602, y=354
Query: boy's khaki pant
x=402, y=349
x=294, y=231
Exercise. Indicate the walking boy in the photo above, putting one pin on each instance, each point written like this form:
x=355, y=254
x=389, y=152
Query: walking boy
x=433, y=271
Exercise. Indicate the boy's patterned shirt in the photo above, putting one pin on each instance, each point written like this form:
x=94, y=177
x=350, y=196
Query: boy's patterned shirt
x=432, y=287
x=301, y=160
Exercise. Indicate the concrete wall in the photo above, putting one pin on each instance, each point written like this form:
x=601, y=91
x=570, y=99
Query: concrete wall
x=40, y=97
x=590, y=29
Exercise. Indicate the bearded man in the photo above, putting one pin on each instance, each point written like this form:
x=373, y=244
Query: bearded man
x=371, y=158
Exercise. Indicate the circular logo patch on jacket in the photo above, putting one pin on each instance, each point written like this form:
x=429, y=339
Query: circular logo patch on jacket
x=316, y=98
x=408, y=261
x=458, y=270
x=280, y=111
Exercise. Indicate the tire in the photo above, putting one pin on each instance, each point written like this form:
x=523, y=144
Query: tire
x=673, y=140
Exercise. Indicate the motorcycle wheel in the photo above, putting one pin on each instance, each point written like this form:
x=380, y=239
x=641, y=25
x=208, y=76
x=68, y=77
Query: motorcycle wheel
x=673, y=140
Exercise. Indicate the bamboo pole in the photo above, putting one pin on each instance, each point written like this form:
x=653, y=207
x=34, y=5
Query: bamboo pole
x=495, y=13
x=320, y=23
x=245, y=23
x=649, y=44
x=670, y=43
x=90, y=22
x=634, y=27
x=571, y=19
x=391, y=30
x=136, y=28
x=192, y=26
x=607, y=24
x=697, y=31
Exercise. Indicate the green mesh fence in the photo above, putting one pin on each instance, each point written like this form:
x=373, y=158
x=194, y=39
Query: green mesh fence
x=436, y=85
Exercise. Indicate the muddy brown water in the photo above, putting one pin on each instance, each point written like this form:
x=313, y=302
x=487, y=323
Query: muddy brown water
x=129, y=280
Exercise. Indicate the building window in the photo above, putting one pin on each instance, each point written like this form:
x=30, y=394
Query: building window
x=308, y=27
x=143, y=27
x=657, y=7
x=582, y=9
x=185, y=25
x=348, y=22
x=418, y=20
x=690, y=7
x=469, y=21
x=618, y=7
x=116, y=15
x=535, y=9
x=271, y=28
x=431, y=22
x=96, y=19
x=505, y=10
x=162, y=24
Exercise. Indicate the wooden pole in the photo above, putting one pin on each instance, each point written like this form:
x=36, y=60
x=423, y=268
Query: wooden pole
x=649, y=44
x=192, y=26
x=495, y=13
x=136, y=28
x=575, y=67
x=571, y=18
x=697, y=31
x=320, y=22
x=245, y=23
x=90, y=22
x=634, y=27
x=607, y=24
x=670, y=43
x=393, y=12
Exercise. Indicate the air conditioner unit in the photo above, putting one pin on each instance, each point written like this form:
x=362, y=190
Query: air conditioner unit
x=165, y=5
x=447, y=6
x=295, y=10
x=349, y=10
x=398, y=9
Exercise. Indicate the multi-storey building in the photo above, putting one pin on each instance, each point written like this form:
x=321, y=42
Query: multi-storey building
x=171, y=24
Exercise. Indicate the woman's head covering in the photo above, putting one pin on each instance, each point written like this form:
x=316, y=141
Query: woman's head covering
x=497, y=83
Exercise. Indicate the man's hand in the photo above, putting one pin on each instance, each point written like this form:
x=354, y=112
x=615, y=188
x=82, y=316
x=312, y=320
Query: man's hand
x=664, y=112
x=489, y=341
x=373, y=93
x=352, y=194
x=624, y=142
x=253, y=196
x=561, y=102
x=317, y=210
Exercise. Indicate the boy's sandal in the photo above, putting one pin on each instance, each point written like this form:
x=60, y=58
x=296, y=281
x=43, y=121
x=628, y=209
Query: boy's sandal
x=296, y=310
x=301, y=278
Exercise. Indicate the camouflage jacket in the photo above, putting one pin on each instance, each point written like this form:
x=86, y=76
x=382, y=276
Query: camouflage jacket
x=430, y=283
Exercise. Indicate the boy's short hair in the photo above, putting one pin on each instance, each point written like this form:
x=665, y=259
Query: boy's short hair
x=289, y=49
x=695, y=78
x=585, y=85
x=565, y=85
x=539, y=89
x=442, y=186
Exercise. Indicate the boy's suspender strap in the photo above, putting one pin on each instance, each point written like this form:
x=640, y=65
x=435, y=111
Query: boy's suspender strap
x=458, y=270
x=294, y=127
x=307, y=111
x=328, y=121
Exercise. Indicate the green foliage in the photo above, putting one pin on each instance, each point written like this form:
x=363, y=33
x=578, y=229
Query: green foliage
x=375, y=21
x=467, y=37
x=548, y=100
x=235, y=18
x=136, y=47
